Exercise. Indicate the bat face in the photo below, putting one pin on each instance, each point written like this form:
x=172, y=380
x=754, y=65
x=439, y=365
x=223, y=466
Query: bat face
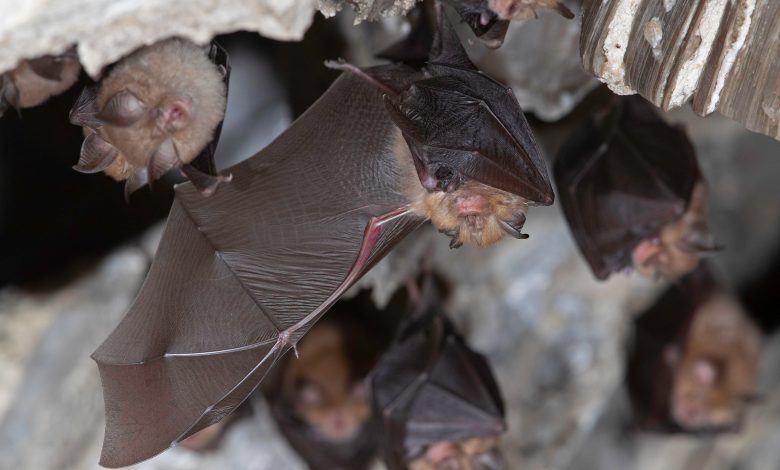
x=526, y=9
x=484, y=22
x=479, y=453
x=156, y=110
x=718, y=368
x=36, y=80
x=324, y=392
x=678, y=248
x=475, y=157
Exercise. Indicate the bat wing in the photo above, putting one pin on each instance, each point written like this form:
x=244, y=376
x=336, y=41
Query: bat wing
x=621, y=177
x=431, y=387
x=241, y=276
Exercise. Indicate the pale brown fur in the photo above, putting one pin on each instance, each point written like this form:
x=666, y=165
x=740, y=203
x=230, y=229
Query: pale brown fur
x=473, y=210
x=34, y=89
x=157, y=74
x=454, y=455
x=321, y=387
x=526, y=9
x=718, y=367
x=663, y=256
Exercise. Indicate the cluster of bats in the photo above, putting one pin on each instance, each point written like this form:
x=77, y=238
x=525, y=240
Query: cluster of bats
x=251, y=259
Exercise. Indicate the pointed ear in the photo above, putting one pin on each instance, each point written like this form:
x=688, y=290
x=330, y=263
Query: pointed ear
x=84, y=111
x=447, y=48
x=136, y=180
x=163, y=159
x=175, y=113
x=97, y=154
x=8, y=91
x=123, y=109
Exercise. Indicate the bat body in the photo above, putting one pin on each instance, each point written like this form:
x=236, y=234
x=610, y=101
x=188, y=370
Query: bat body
x=632, y=193
x=436, y=401
x=241, y=276
x=36, y=80
x=478, y=164
x=695, y=361
x=157, y=109
x=527, y=9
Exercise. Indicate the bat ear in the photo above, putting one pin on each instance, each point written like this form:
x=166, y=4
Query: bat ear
x=97, y=154
x=47, y=67
x=123, y=109
x=564, y=11
x=84, y=111
x=447, y=48
x=698, y=240
x=175, y=114
x=137, y=180
x=9, y=92
x=163, y=159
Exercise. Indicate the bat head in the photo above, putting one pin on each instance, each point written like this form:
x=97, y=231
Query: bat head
x=526, y=9
x=461, y=125
x=677, y=250
x=484, y=22
x=475, y=453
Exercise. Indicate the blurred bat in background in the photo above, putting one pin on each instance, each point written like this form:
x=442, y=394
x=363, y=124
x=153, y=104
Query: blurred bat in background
x=483, y=21
x=694, y=363
x=157, y=109
x=319, y=399
x=241, y=276
x=34, y=81
x=435, y=400
x=632, y=193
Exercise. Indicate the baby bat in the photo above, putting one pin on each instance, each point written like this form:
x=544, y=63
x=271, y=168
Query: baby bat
x=157, y=109
x=631, y=190
x=34, y=81
x=241, y=276
x=436, y=401
x=706, y=352
x=526, y=9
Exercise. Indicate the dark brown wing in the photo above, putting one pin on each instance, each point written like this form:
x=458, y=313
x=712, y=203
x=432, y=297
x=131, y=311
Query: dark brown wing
x=241, y=276
x=431, y=387
x=621, y=177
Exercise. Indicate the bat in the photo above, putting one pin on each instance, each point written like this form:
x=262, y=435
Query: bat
x=241, y=276
x=436, y=402
x=34, y=81
x=483, y=21
x=632, y=193
x=156, y=110
x=695, y=363
x=319, y=399
x=413, y=50
x=526, y=9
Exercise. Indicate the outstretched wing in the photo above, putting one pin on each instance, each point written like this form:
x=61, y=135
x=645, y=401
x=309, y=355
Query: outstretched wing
x=239, y=277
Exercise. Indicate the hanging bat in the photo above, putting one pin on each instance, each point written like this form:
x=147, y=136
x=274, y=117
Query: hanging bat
x=319, y=399
x=483, y=21
x=632, y=193
x=34, y=81
x=526, y=9
x=436, y=401
x=695, y=362
x=157, y=109
x=241, y=276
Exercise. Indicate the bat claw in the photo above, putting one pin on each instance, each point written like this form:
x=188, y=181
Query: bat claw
x=513, y=228
x=455, y=243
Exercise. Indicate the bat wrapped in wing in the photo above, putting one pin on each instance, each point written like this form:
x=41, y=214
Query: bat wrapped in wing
x=631, y=190
x=435, y=400
x=694, y=363
x=241, y=276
